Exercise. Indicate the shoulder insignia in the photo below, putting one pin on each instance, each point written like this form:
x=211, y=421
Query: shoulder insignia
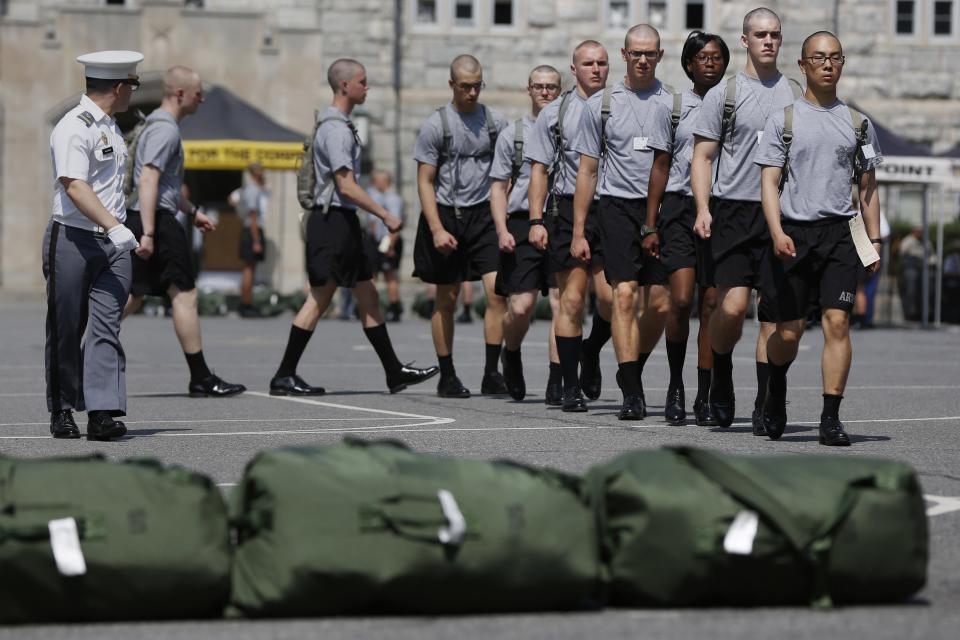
x=86, y=118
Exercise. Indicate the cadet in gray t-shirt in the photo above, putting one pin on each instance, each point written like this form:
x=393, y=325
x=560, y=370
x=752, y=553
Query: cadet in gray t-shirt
x=159, y=146
x=819, y=243
x=456, y=239
x=336, y=146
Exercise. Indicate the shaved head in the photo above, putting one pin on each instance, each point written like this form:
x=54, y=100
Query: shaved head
x=640, y=31
x=179, y=77
x=342, y=70
x=544, y=68
x=586, y=44
x=760, y=13
x=813, y=36
x=464, y=64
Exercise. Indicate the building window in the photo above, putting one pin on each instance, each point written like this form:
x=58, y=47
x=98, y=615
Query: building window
x=463, y=13
x=905, y=17
x=943, y=18
x=695, y=15
x=657, y=13
x=619, y=15
x=426, y=12
x=116, y=2
x=502, y=13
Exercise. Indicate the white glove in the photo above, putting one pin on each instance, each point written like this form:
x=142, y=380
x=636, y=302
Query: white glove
x=122, y=238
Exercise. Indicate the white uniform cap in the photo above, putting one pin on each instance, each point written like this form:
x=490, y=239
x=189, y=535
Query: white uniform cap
x=111, y=65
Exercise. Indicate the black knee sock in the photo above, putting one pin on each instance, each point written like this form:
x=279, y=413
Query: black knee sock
x=466, y=309
x=763, y=373
x=446, y=366
x=296, y=343
x=831, y=406
x=630, y=378
x=381, y=344
x=642, y=361
x=555, y=376
x=722, y=372
x=513, y=357
x=492, y=358
x=569, y=350
x=777, y=375
x=198, y=366
x=703, y=384
x=675, y=355
x=599, y=334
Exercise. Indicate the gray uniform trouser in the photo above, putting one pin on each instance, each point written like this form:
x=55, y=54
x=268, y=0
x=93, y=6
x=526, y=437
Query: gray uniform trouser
x=88, y=281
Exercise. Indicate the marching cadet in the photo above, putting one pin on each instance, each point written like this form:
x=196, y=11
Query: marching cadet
x=456, y=239
x=812, y=151
x=553, y=176
x=163, y=263
x=616, y=139
x=670, y=210
x=523, y=268
x=334, y=241
x=727, y=131
x=86, y=254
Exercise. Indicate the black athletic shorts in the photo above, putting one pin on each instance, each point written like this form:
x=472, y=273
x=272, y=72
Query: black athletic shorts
x=477, y=252
x=741, y=243
x=560, y=236
x=171, y=262
x=824, y=271
x=247, y=254
x=624, y=258
x=680, y=247
x=381, y=262
x=334, y=248
x=527, y=268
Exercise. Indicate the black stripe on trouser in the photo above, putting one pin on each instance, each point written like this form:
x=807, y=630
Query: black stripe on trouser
x=52, y=320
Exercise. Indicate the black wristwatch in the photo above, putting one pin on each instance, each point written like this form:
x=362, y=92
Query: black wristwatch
x=646, y=231
x=537, y=222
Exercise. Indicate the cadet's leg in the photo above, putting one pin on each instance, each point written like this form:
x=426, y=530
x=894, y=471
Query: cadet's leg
x=493, y=330
x=837, y=352
x=701, y=405
x=516, y=321
x=591, y=378
x=763, y=368
x=568, y=330
x=653, y=317
x=626, y=335
x=726, y=327
x=133, y=305
x=286, y=381
x=554, y=298
x=104, y=362
x=781, y=349
x=186, y=320
x=677, y=332
x=441, y=322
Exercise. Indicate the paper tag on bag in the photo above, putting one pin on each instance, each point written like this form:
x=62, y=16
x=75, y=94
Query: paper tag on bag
x=868, y=255
x=740, y=535
x=65, y=542
x=384, y=245
x=868, y=152
x=640, y=143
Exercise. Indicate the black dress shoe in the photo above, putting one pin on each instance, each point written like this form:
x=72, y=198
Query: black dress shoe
x=832, y=433
x=573, y=401
x=214, y=387
x=757, y=421
x=493, y=384
x=63, y=426
x=408, y=375
x=774, y=416
x=102, y=427
x=673, y=408
x=724, y=406
x=554, y=395
x=513, y=378
x=634, y=408
x=591, y=378
x=702, y=414
x=451, y=387
x=294, y=386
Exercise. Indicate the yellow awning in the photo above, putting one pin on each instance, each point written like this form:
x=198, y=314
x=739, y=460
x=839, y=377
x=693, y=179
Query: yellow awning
x=237, y=154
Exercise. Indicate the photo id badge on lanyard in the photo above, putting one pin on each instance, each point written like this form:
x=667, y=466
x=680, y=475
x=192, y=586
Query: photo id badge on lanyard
x=640, y=143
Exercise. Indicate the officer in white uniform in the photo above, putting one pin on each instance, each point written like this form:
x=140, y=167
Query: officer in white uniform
x=86, y=253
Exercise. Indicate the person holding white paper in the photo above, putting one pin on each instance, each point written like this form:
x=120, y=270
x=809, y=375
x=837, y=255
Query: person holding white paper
x=810, y=153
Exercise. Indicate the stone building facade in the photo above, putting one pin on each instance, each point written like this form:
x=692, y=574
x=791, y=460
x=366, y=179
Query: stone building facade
x=903, y=67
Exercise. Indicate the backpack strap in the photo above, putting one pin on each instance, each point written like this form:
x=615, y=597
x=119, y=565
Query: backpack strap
x=447, y=135
x=604, y=116
x=559, y=146
x=517, y=163
x=86, y=118
x=860, y=130
x=729, y=120
x=492, y=131
x=787, y=141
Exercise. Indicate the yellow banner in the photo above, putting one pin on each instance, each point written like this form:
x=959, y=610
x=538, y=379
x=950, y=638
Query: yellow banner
x=237, y=154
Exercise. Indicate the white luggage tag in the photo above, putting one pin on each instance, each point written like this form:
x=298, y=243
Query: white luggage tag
x=740, y=535
x=868, y=255
x=65, y=542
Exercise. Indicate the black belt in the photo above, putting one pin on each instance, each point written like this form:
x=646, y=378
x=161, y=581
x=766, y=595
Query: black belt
x=822, y=222
x=469, y=209
x=99, y=232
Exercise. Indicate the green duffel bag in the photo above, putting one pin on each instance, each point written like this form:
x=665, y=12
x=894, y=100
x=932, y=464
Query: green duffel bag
x=688, y=527
x=84, y=539
x=373, y=528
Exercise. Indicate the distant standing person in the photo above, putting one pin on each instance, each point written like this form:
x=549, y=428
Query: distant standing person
x=254, y=199
x=385, y=248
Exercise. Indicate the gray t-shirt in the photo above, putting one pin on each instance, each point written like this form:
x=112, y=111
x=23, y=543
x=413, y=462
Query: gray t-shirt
x=466, y=172
x=335, y=147
x=679, y=179
x=739, y=178
x=389, y=200
x=821, y=159
x=502, y=168
x=253, y=197
x=631, y=137
x=159, y=146
x=541, y=145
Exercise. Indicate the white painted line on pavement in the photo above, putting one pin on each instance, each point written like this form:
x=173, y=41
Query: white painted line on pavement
x=210, y=421
x=319, y=403
x=942, y=505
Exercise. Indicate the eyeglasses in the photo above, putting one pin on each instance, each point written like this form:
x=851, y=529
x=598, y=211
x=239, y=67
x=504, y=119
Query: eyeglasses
x=537, y=86
x=133, y=84
x=702, y=58
x=649, y=55
x=818, y=59
x=467, y=87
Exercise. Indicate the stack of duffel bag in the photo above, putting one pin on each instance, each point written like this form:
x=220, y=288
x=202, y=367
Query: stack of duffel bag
x=84, y=539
